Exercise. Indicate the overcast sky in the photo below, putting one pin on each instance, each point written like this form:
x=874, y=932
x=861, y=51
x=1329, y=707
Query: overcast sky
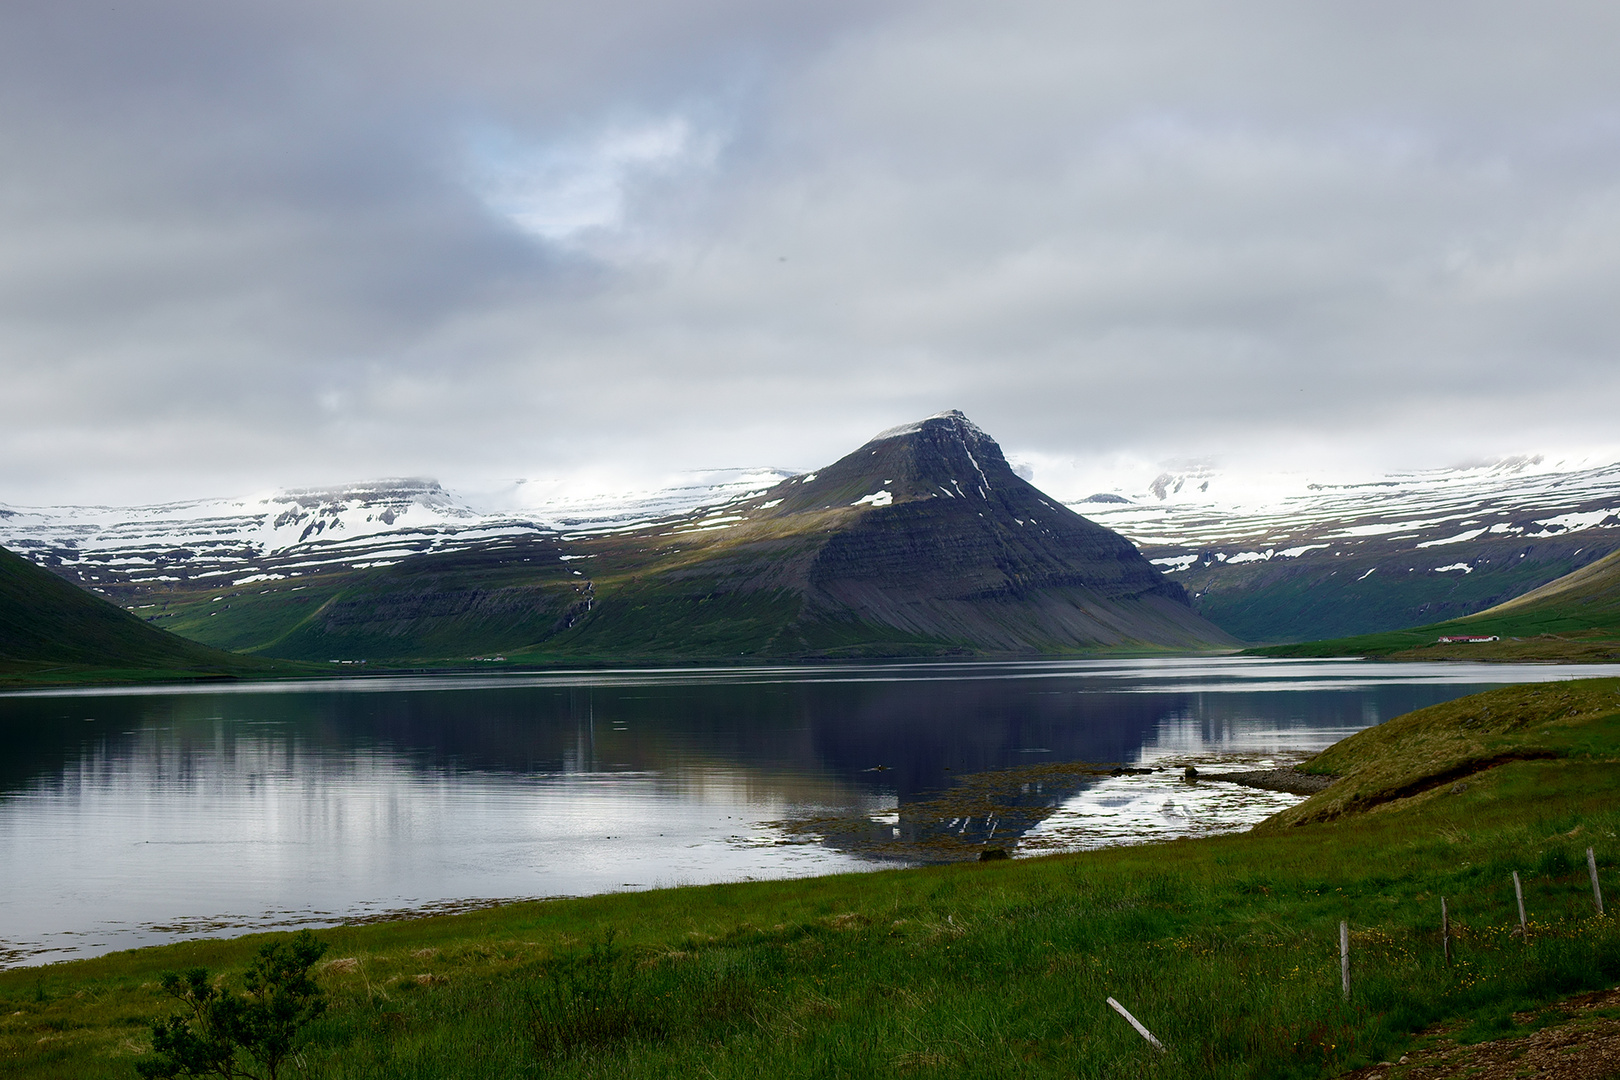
x=250, y=244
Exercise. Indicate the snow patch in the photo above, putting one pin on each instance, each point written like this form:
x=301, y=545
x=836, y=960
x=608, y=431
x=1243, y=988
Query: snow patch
x=1464, y=567
x=1458, y=539
x=1570, y=522
x=877, y=498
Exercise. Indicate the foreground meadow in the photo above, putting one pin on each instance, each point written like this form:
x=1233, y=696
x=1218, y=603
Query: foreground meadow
x=1228, y=948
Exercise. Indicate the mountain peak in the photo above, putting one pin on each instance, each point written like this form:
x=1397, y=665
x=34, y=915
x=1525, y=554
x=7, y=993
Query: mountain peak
x=945, y=456
x=951, y=420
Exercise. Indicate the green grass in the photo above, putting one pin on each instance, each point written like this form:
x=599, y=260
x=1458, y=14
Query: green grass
x=1226, y=947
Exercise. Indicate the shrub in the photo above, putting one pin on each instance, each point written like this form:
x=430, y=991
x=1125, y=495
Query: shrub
x=219, y=1029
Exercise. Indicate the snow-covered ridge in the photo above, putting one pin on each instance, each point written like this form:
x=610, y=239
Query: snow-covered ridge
x=1189, y=519
x=290, y=532
x=267, y=535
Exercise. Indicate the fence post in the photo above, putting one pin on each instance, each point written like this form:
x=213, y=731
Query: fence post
x=1597, y=891
x=1344, y=957
x=1445, y=931
x=1518, y=894
x=1137, y=1024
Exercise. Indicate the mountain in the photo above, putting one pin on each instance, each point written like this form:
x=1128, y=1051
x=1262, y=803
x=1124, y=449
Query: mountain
x=50, y=629
x=1271, y=558
x=922, y=542
x=1308, y=560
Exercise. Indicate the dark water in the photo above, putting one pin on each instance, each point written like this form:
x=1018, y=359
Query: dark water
x=133, y=817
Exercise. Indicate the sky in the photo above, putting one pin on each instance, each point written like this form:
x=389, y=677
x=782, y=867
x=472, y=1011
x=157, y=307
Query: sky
x=253, y=244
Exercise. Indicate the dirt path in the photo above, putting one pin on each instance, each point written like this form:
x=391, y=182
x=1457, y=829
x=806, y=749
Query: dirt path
x=1581, y=1043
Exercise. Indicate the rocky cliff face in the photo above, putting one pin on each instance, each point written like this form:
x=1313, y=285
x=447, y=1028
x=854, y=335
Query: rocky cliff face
x=955, y=544
x=949, y=518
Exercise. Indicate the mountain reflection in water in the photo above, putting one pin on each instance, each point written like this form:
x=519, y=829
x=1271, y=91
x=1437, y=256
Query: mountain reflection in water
x=143, y=816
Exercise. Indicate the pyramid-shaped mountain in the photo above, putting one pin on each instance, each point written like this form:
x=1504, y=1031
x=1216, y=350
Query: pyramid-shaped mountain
x=923, y=540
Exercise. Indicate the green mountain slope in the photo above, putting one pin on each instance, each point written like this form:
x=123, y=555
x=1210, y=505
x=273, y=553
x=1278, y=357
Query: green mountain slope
x=52, y=630
x=1573, y=618
x=922, y=542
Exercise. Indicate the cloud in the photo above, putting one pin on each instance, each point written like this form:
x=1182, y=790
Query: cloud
x=561, y=190
x=308, y=242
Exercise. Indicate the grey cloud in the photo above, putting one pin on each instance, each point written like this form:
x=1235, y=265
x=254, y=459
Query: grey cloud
x=250, y=244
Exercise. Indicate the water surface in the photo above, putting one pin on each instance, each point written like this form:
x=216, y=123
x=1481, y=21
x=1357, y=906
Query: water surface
x=135, y=816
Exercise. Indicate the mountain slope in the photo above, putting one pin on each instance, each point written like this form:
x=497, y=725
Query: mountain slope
x=48, y=626
x=1590, y=594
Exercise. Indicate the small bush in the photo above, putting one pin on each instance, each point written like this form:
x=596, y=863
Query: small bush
x=220, y=1029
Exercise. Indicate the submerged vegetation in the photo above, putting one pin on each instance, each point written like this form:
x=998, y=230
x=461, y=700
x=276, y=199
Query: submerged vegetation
x=1227, y=949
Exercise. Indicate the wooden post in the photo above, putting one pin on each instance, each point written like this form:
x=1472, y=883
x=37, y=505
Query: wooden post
x=1344, y=957
x=1518, y=894
x=1597, y=890
x=1137, y=1024
x=1445, y=931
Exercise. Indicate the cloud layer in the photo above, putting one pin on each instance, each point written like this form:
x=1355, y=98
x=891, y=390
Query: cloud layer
x=256, y=244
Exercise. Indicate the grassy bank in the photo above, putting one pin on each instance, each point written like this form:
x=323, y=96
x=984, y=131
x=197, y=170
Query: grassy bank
x=1519, y=642
x=1226, y=948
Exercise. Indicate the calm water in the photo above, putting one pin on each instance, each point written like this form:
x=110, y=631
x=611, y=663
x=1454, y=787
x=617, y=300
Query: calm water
x=132, y=817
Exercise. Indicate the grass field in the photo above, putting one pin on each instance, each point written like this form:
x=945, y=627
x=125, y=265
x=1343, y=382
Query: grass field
x=1226, y=948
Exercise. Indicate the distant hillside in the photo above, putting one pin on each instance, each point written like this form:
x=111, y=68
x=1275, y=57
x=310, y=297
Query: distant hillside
x=1304, y=561
x=921, y=543
x=51, y=629
x=1573, y=618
